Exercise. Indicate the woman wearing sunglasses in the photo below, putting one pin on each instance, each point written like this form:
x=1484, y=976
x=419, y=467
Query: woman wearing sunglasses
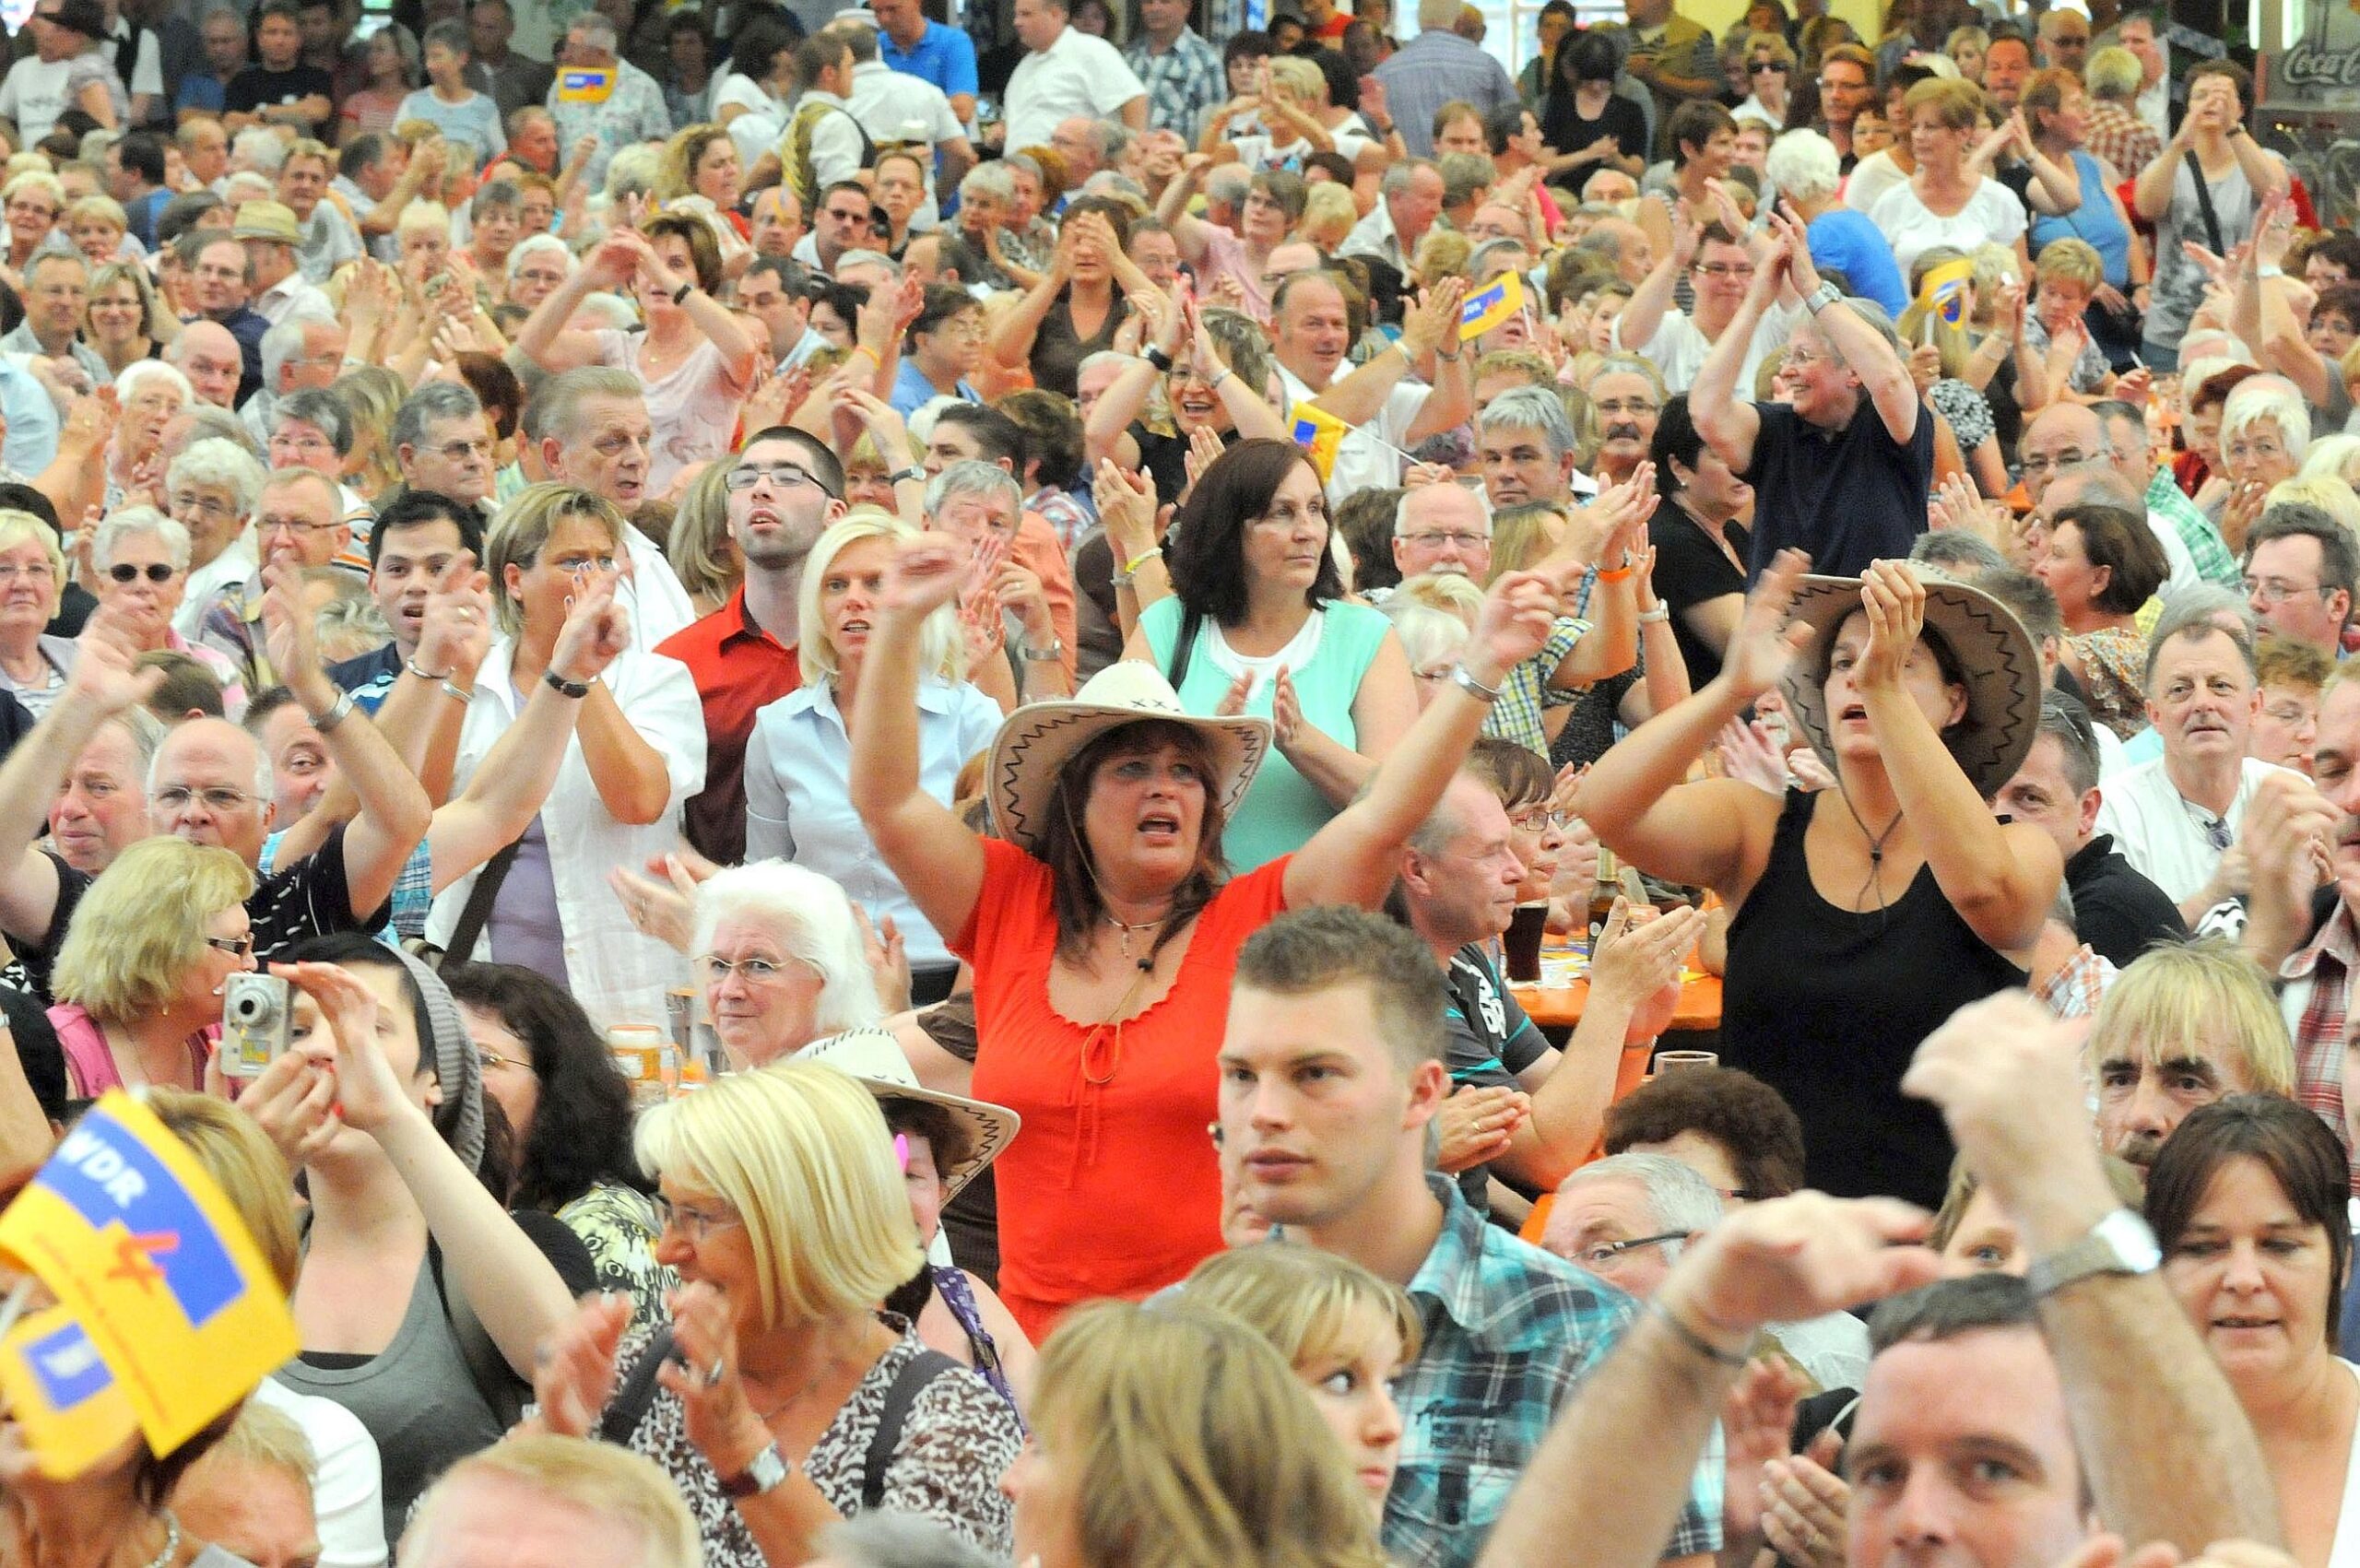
x=139, y=560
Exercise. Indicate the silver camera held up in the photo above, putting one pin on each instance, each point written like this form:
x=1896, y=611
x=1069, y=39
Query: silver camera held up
x=256, y=1021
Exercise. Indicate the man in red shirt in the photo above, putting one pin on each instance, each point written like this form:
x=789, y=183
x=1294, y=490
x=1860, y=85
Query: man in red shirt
x=785, y=490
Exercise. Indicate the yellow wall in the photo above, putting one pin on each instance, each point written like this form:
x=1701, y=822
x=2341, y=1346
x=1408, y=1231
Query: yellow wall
x=1722, y=15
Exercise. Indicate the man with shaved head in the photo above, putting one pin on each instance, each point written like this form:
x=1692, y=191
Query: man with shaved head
x=208, y=355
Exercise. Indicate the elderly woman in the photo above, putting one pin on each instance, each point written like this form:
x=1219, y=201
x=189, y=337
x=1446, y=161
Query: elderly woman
x=537, y=268
x=315, y=429
x=2248, y=1200
x=986, y=205
x=1108, y=894
x=569, y=1117
x=1949, y=201
x=33, y=664
x=778, y=952
x=1257, y=614
x=1219, y=365
x=1127, y=1446
x=1808, y=172
x=2103, y=563
x=1921, y=697
x=1274, y=204
x=148, y=395
x=1075, y=308
x=694, y=361
x=210, y=491
x=786, y=1215
x=125, y=323
x=2265, y=435
x=138, y=978
x=636, y=753
x=1432, y=614
x=139, y=558
x=797, y=761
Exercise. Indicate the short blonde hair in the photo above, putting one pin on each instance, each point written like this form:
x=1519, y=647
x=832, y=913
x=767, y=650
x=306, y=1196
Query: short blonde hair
x=939, y=651
x=2186, y=1001
x=1956, y=103
x=141, y=926
x=2112, y=74
x=2326, y=491
x=1778, y=47
x=801, y=1151
x=23, y=528
x=1304, y=1302
x=618, y=1487
x=1298, y=77
x=699, y=546
x=1327, y=202
x=525, y=525
x=106, y=209
x=2070, y=261
x=34, y=180
x=243, y=1163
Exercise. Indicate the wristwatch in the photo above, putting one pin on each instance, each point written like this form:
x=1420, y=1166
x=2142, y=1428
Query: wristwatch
x=2119, y=1243
x=900, y=476
x=1051, y=650
x=563, y=687
x=1823, y=296
x=767, y=1471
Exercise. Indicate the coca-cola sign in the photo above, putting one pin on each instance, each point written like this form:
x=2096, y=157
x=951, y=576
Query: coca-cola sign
x=2321, y=67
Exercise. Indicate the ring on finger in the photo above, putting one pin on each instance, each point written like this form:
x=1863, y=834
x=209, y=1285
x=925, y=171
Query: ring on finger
x=713, y=1373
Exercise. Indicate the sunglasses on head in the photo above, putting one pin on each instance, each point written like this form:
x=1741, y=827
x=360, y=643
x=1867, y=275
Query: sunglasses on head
x=123, y=571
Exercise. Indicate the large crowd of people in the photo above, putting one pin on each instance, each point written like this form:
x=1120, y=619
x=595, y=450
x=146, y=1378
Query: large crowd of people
x=883, y=694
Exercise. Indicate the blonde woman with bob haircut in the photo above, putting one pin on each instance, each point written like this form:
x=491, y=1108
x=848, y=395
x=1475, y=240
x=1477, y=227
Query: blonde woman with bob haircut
x=612, y=1505
x=124, y=322
x=1346, y=1333
x=139, y=976
x=786, y=1214
x=637, y=751
x=33, y=664
x=2182, y=1027
x=1134, y=1461
x=799, y=805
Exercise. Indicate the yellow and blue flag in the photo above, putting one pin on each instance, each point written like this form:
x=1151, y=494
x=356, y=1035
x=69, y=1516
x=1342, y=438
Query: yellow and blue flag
x=1480, y=312
x=145, y=1254
x=1942, y=291
x=1320, y=433
x=62, y=1395
x=584, y=84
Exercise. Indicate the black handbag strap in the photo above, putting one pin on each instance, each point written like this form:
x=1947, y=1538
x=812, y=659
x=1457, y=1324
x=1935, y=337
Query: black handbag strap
x=2204, y=206
x=908, y=1384
x=477, y=911
x=629, y=1407
x=1191, y=622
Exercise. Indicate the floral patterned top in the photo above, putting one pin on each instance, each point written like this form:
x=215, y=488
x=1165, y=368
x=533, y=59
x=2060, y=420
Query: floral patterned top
x=958, y=1439
x=619, y=1228
x=2114, y=658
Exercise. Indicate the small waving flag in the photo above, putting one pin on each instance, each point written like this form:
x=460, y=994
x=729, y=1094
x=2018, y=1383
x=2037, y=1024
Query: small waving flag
x=1943, y=290
x=1480, y=312
x=60, y=1391
x=144, y=1253
x=584, y=84
x=1320, y=433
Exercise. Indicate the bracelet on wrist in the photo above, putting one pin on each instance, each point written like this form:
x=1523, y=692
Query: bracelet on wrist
x=458, y=693
x=1487, y=695
x=1695, y=1341
x=428, y=675
x=1619, y=574
x=1656, y=617
x=337, y=712
x=564, y=688
x=1156, y=355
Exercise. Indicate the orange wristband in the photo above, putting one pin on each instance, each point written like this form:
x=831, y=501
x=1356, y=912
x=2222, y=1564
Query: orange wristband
x=1619, y=574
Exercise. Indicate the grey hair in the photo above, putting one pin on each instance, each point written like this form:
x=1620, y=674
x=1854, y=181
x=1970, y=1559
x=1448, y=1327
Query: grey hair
x=986, y=481
x=597, y=31
x=1678, y=1198
x=1957, y=551
x=320, y=409
x=265, y=778
x=562, y=395
x=1229, y=184
x=1803, y=165
x=1398, y=177
x=1115, y=183
x=1100, y=142
x=1104, y=357
x=261, y=147
x=612, y=310
x=127, y=385
x=214, y=422
x=2274, y=398
x=812, y=920
x=870, y=258
x=634, y=170
x=898, y=1541
x=2069, y=722
x=2112, y=74
x=435, y=401
x=859, y=37
x=128, y=521
x=1427, y=633
x=147, y=732
x=2195, y=612
x=1530, y=408
x=1410, y=497
x=285, y=341
x=991, y=180
x=533, y=244
x=218, y=463
x=1490, y=248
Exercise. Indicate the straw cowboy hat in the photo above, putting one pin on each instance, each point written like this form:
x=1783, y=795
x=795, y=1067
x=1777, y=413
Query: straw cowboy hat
x=1037, y=740
x=875, y=1058
x=1995, y=655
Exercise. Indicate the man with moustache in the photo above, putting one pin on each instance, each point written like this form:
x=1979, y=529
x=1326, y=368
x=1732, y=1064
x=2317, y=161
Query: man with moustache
x=784, y=488
x=2146, y=1087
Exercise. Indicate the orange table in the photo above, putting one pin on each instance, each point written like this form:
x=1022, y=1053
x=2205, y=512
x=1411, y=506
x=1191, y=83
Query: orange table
x=1560, y=1006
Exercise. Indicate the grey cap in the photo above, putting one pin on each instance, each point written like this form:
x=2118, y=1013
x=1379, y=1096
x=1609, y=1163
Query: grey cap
x=457, y=1068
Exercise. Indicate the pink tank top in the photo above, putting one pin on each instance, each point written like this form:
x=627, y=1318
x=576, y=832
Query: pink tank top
x=90, y=1065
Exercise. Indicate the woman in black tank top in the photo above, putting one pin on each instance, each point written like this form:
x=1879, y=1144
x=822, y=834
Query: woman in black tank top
x=1865, y=915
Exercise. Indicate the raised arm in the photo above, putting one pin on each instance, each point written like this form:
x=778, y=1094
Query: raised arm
x=1637, y=327
x=1189, y=231
x=545, y=339
x=1013, y=330
x=1724, y=412
x=936, y=857
x=1351, y=859
x=1883, y=374
x=1360, y=396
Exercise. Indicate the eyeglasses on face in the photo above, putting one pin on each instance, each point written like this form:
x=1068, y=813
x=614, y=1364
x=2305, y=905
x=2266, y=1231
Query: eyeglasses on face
x=1605, y=1256
x=697, y=1224
x=1765, y=67
x=219, y=797
x=2277, y=590
x=31, y=571
x=784, y=475
x=492, y=1059
x=156, y=572
x=237, y=946
x=753, y=971
x=1452, y=538
x=206, y=506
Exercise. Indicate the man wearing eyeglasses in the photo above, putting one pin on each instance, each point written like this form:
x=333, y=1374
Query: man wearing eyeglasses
x=304, y=351
x=2299, y=567
x=1627, y=1218
x=1719, y=268
x=298, y=522
x=783, y=488
x=443, y=443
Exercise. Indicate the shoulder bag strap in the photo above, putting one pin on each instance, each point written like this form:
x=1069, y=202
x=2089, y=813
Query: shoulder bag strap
x=1184, y=646
x=2204, y=204
x=630, y=1403
x=908, y=1384
x=476, y=915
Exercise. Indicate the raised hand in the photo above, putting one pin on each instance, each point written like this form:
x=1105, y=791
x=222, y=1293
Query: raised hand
x=889, y=959
x=1434, y=322
x=2007, y=1078
x=1798, y=1258
x=882, y=422
x=293, y=1100
x=368, y=1091
x=1757, y=1427
x=287, y=626
x=455, y=630
x=573, y=1375
x=1232, y=701
x=662, y=904
x=595, y=633
x=1894, y=599
x=1642, y=968
x=1764, y=643
x=1127, y=507
x=1751, y=755
x=1803, y=1504
x=715, y=1413
x=1286, y=712
x=103, y=678
x=1519, y=612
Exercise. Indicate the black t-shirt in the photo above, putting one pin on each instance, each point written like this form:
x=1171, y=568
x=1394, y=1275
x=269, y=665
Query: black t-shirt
x=254, y=86
x=290, y=907
x=1566, y=131
x=1690, y=570
x=1849, y=496
x=37, y=1049
x=2116, y=910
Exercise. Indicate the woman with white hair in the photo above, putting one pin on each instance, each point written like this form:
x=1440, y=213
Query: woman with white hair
x=147, y=396
x=798, y=760
x=537, y=269
x=1808, y=172
x=33, y=664
x=2265, y=435
x=210, y=489
x=779, y=955
x=139, y=558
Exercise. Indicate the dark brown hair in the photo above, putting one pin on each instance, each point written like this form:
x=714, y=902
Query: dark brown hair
x=1066, y=849
x=2119, y=540
x=2290, y=1141
x=1206, y=549
x=704, y=251
x=945, y=1135
x=1749, y=1120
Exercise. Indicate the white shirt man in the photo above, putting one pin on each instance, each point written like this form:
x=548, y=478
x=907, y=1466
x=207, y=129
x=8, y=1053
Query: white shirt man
x=1067, y=72
x=893, y=106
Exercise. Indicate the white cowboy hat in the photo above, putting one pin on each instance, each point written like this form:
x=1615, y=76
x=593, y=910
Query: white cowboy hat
x=1996, y=656
x=1036, y=741
x=873, y=1056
